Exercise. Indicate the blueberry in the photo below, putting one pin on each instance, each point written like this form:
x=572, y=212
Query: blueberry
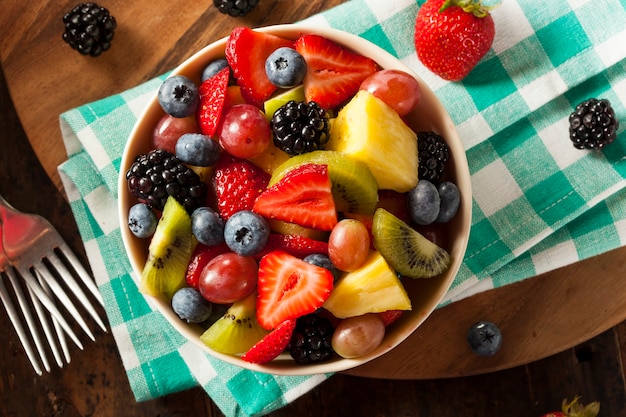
x=191, y=306
x=142, y=221
x=450, y=200
x=207, y=226
x=484, y=338
x=324, y=261
x=424, y=202
x=213, y=68
x=178, y=96
x=285, y=67
x=246, y=233
x=197, y=149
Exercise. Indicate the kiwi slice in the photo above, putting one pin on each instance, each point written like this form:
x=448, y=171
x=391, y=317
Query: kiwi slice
x=169, y=252
x=354, y=187
x=279, y=100
x=237, y=330
x=405, y=249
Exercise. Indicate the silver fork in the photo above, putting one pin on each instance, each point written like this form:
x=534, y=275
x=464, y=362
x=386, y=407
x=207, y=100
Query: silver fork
x=32, y=249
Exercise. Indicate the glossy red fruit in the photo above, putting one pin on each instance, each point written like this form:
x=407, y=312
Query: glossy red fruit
x=201, y=256
x=236, y=184
x=349, y=244
x=213, y=95
x=575, y=409
x=272, y=345
x=451, y=36
x=390, y=316
x=244, y=131
x=334, y=73
x=227, y=278
x=246, y=52
x=169, y=129
x=398, y=89
x=299, y=246
x=289, y=288
x=302, y=196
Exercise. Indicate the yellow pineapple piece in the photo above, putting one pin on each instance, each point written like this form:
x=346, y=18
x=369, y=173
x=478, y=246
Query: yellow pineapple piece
x=270, y=158
x=372, y=288
x=369, y=130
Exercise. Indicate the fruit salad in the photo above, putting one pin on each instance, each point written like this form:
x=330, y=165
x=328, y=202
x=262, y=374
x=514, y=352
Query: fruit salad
x=285, y=202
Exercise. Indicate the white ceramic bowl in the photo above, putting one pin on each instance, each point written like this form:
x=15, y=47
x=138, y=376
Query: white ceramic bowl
x=425, y=294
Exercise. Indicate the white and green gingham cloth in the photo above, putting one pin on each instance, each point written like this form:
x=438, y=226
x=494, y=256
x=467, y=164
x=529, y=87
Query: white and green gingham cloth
x=538, y=203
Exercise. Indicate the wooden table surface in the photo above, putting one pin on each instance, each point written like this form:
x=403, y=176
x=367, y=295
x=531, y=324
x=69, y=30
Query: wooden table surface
x=563, y=331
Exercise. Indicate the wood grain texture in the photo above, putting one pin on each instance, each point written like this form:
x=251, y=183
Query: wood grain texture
x=578, y=310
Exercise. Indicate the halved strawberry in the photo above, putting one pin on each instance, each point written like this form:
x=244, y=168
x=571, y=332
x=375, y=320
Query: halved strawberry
x=302, y=196
x=289, y=288
x=246, y=52
x=390, y=316
x=201, y=256
x=212, y=94
x=237, y=184
x=299, y=246
x=334, y=73
x=272, y=345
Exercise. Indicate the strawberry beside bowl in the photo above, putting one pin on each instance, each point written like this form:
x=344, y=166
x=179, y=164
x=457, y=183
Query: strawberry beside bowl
x=424, y=294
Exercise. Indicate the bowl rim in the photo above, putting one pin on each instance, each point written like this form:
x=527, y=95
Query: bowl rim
x=287, y=367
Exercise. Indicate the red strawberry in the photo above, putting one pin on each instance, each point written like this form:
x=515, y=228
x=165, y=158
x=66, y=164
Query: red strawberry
x=299, y=246
x=272, y=345
x=574, y=409
x=246, y=52
x=302, y=196
x=334, y=73
x=289, y=288
x=390, y=316
x=212, y=94
x=451, y=36
x=237, y=184
x=201, y=256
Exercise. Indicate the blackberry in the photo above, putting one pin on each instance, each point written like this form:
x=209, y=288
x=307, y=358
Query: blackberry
x=311, y=340
x=158, y=174
x=592, y=125
x=235, y=8
x=300, y=127
x=89, y=29
x=433, y=153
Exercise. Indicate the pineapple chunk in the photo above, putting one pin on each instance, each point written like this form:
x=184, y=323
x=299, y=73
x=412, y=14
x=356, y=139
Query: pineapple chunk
x=369, y=130
x=373, y=288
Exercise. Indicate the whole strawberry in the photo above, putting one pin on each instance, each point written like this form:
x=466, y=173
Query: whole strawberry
x=575, y=409
x=451, y=36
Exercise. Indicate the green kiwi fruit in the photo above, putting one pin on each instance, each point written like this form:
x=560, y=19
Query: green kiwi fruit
x=279, y=100
x=405, y=249
x=354, y=187
x=237, y=330
x=169, y=252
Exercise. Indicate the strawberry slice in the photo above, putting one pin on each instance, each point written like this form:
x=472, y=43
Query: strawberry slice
x=212, y=94
x=390, y=316
x=298, y=246
x=237, y=184
x=246, y=53
x=302, y=196
x=201, y=256
x=289, y=288
x=334, y=73
x=272, y=345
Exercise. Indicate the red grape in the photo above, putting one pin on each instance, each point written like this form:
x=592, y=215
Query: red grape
x=228, y=277
x=397, y=88
x=358, y=336
x=348, y=244
x=244, y=132
x=169, y=129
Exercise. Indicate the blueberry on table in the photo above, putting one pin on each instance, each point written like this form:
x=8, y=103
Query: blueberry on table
x=484, y=338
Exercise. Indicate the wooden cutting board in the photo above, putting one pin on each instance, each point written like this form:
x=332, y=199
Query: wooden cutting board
x=538, y=317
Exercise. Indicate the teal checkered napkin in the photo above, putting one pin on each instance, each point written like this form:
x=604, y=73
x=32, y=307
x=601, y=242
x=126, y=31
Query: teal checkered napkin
x=538, y=203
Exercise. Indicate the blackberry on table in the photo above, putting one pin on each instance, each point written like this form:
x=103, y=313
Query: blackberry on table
x=89, y=28
x=311, y=340
x=300, y=127
x=158, y=174
x=433, y=153
x=235, y=8
x=593, y=124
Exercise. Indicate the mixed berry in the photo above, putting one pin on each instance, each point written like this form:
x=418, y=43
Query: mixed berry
x=288, y=193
